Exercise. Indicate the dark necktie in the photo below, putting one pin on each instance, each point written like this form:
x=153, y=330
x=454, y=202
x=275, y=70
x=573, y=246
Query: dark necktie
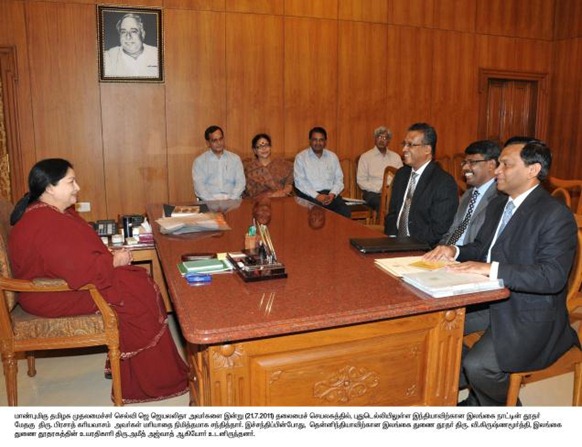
x=465, y=223
x=403, y=221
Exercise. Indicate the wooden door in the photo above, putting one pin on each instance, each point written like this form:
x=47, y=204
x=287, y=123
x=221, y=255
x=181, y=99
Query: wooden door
x=511, y=104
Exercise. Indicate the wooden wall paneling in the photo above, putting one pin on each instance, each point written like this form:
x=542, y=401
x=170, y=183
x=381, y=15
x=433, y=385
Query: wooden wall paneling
x=323, y=9
x=362, y=90
x=274, y=7
x=516, y=18
x=198, y=5
x=497, y=17
x=568, y=19
x=311, y=60
x=254, y=87
x=534, y=19
x=65, y=96
x=564, y=135
x=533, y=55
x=495, y=52
x=455, y=15
x=129, y=3
x=195, y=90
x=411, y=12
x=134, y=146
x=454, y=88
x=410, y=68
x=13, y=37
x=364, y=10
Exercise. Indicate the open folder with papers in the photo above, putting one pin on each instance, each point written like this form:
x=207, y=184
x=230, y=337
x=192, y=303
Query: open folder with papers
x=441, y=283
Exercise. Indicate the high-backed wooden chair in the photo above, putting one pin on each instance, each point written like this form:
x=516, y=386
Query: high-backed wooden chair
x=358, y=211
x=563, y=195
x=21, y=332
x=574, y=188
x=572, y=359
x=385, y=193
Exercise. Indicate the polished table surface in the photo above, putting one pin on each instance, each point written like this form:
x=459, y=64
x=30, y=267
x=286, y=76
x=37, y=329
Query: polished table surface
x=329, y=284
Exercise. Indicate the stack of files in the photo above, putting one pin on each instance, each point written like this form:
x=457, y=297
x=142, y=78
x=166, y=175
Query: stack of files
x=208, y=266
x=441, y=283
x=408, y=264
x=193, y=223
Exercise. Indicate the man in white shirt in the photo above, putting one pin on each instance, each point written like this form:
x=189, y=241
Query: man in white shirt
x=318, y=174
x=372, y=164
x=132, y=58
x=217, y=174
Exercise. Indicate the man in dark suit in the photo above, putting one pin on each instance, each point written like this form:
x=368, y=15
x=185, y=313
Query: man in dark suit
x=479, y=171
x=529, y=241
x=424, y=197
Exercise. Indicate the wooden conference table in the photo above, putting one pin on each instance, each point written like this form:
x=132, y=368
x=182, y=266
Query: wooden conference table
x=337, y=331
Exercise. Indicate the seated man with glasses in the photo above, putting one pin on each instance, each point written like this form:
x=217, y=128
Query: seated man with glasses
x=217, y=174
x=479, y=171
x=372, y=164
x=424, y=197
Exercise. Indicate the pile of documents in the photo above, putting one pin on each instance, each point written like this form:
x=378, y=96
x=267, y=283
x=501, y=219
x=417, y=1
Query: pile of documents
x=193, y=223
x=433, y=279
x=441, y=283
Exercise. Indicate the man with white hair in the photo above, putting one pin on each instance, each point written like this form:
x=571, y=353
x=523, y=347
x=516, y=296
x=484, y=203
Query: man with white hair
x=133, y=57
x=372, y=164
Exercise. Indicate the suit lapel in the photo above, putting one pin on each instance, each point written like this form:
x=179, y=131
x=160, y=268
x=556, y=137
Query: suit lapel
x=520, y=214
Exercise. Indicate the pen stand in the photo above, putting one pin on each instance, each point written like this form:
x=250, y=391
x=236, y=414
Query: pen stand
x=252, y=266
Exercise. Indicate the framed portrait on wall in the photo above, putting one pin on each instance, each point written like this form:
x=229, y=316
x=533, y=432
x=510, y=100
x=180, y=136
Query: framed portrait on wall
x=130, y=44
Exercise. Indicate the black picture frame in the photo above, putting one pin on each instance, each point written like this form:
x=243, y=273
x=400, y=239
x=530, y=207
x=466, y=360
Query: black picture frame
x=144, y=36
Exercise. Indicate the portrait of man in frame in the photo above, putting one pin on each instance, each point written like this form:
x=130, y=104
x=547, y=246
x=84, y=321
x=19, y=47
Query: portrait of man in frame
x=130, y=44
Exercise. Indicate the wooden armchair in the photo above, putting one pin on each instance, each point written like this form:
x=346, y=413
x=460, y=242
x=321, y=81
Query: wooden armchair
x=563, y=195
x=574, y=189
x=21, y=332
x=358, y=211
x=385, y=193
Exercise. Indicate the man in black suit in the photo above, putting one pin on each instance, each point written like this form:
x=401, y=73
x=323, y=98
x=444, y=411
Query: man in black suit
x=424, y=197
x=529, y=241
x=479, y=171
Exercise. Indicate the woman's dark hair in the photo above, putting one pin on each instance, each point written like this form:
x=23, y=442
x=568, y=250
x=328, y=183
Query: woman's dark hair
x=44, y=173
x=257, y=137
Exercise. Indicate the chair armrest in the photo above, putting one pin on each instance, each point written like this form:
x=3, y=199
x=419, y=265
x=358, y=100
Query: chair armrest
x=59, y=285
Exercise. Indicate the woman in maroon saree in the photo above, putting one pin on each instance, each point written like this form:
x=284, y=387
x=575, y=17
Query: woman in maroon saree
x=51, y=240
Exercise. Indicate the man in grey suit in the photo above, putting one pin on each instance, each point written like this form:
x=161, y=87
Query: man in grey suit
x=479, y=171
x=529, y=241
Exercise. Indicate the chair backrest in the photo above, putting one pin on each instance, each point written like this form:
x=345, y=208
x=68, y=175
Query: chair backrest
x=5, y=270
x=574, y=298
x=445, y=163
x=347, y=166
x=385, y=193
x=574, y=189
x=563, y=195
x=456, y=169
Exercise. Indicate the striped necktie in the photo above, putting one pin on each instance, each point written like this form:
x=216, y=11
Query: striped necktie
x=403, y=221
x=507, y=213
x=460, y=230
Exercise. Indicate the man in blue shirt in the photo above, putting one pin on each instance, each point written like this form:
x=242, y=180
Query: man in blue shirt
x=217, y=173
x=318, y=174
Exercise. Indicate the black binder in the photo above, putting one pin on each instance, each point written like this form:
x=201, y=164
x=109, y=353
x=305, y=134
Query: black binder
x=388, y=244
